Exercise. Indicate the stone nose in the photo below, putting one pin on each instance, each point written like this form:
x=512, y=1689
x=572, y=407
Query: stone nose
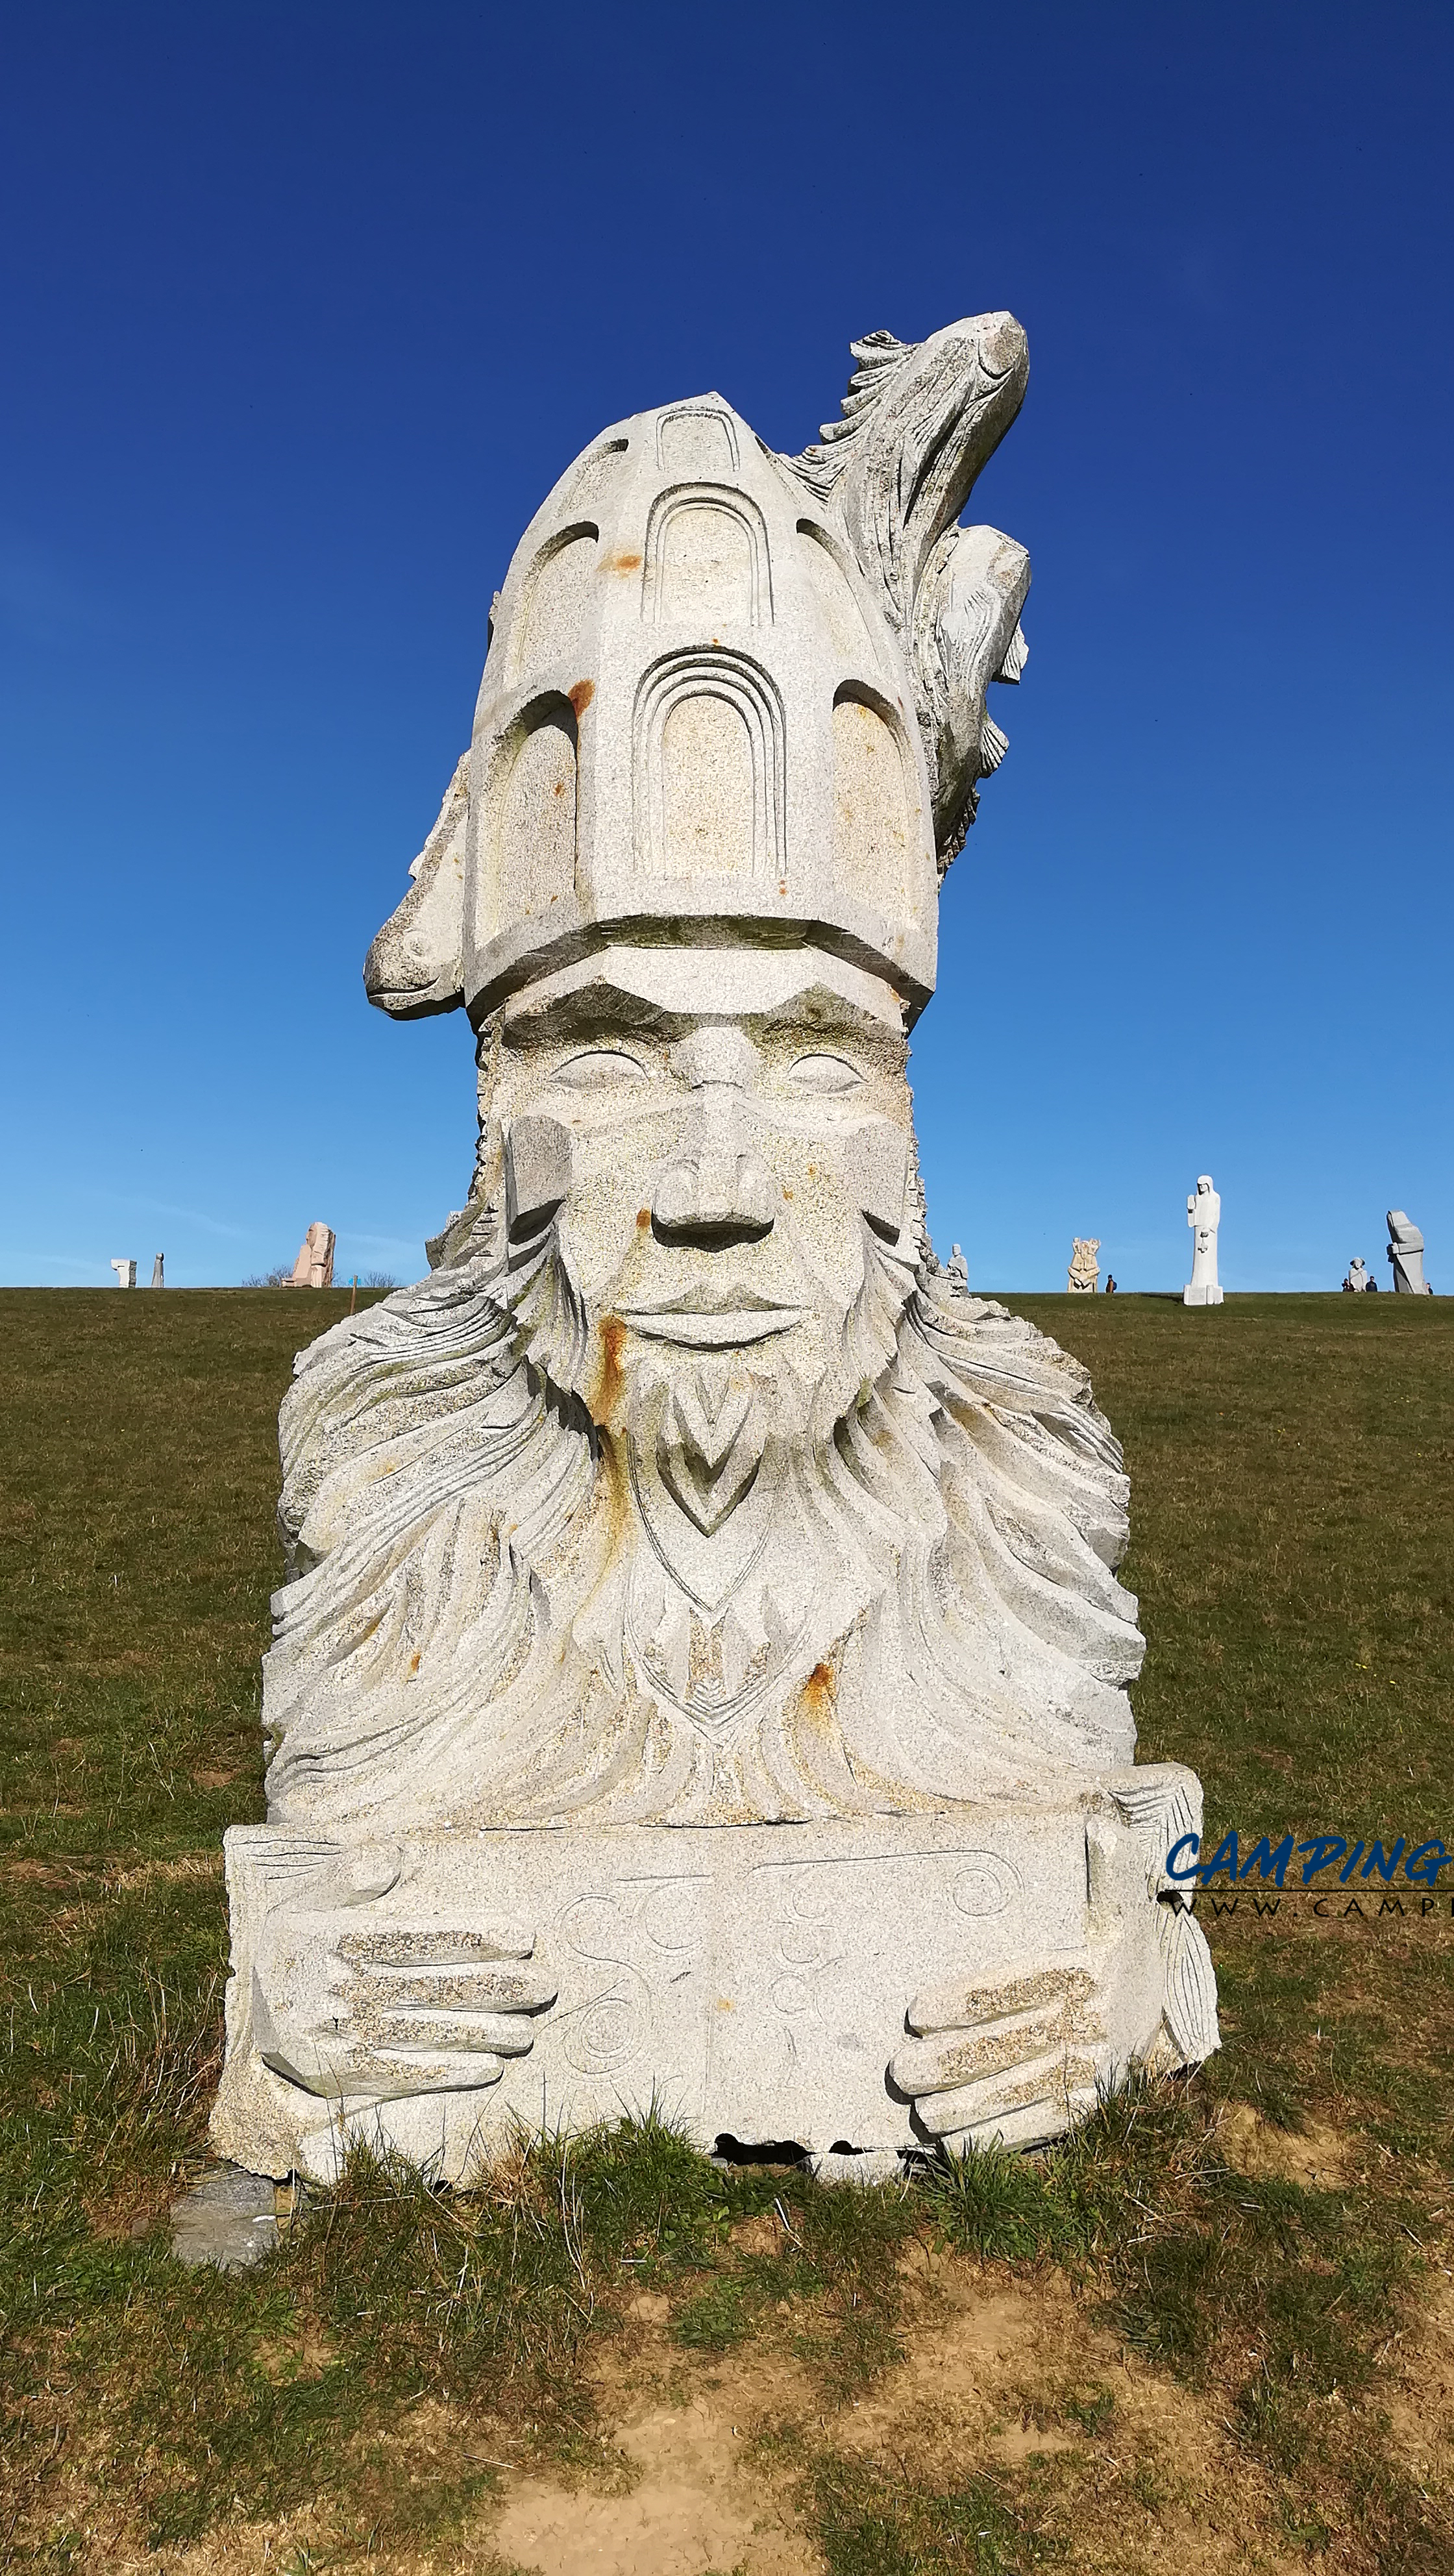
x=716, y=1191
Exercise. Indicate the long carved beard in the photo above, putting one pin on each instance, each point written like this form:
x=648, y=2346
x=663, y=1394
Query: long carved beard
x=709, y=1435
x=705, y=1421
x=504, y=1614
x=709, y=1421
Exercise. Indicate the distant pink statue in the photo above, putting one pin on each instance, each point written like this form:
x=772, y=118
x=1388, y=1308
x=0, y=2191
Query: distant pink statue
x=314, y=1265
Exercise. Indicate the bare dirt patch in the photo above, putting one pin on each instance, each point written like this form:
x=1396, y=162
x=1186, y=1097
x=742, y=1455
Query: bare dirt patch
x=305, y=2355
x=1421, y=2405
x=1007, y=2374
x=1315, y=2155
x=684, y=2486
x=1000, y=2377
x=759, y=2235
x=699, y=2499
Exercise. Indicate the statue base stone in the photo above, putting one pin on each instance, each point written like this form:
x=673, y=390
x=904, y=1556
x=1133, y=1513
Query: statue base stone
x=1201, y=1296
x=751, y=1981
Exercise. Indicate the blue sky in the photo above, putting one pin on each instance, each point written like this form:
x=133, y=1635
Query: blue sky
x=305, y=308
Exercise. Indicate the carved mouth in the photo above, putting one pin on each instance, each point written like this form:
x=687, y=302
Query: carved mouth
x=703, y=1322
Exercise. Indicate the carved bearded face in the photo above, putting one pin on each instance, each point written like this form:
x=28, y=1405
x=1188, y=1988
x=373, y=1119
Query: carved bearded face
x=804, y=1562
x=729, y=1187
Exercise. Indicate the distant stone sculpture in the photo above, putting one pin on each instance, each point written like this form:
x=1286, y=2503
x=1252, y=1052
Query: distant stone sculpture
x=956, y=1270
x=157, y=1270
x=314, y=1265
x=1084, y=1269
x=701, y=1672
x=1357, y=1282
x=1406, y=1252
x=1203, y=1215
x=125, y=1273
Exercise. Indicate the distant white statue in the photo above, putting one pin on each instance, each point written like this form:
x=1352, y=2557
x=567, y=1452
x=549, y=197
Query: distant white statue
x=957, y=1271
x=1084, y=1272
x=1203, y=1215
x=314, y=1265
x=1406, y=1252
x=1357, y=1282
x=126, y=1273
x=157, y=1271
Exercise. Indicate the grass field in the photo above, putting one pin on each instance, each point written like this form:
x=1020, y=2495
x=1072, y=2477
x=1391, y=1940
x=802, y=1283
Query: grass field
x=1218, y=2329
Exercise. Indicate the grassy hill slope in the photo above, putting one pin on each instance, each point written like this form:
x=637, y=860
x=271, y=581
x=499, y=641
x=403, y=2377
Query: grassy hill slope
x=1218, y=2325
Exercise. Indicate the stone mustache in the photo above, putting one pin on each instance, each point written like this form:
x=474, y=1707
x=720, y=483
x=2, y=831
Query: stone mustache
x=702, y=1674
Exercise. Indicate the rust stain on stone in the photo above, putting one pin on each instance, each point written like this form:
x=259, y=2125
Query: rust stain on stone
x=818, y=1698
x=622, y=563
x=580, y=698
x=612, y=1492
x=613, y=1334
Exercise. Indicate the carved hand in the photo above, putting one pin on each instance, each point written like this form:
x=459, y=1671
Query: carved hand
x=986, y=2053
x=347, y=2010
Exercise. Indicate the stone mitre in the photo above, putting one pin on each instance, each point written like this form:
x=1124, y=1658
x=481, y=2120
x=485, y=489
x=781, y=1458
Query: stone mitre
x=732, y=696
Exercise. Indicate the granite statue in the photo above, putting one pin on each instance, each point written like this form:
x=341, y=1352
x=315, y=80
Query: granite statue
x=1203, y=1215
x=701, y=1671
x=125, y=1273
x=158, y=1271
x=1357, y=1282
x=314, y=1265
x=1082, y=1277
x=1406, y=1254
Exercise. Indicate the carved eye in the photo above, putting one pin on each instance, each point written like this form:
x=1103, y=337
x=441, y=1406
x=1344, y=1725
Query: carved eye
x=824, y=1073
x=600, y=1069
